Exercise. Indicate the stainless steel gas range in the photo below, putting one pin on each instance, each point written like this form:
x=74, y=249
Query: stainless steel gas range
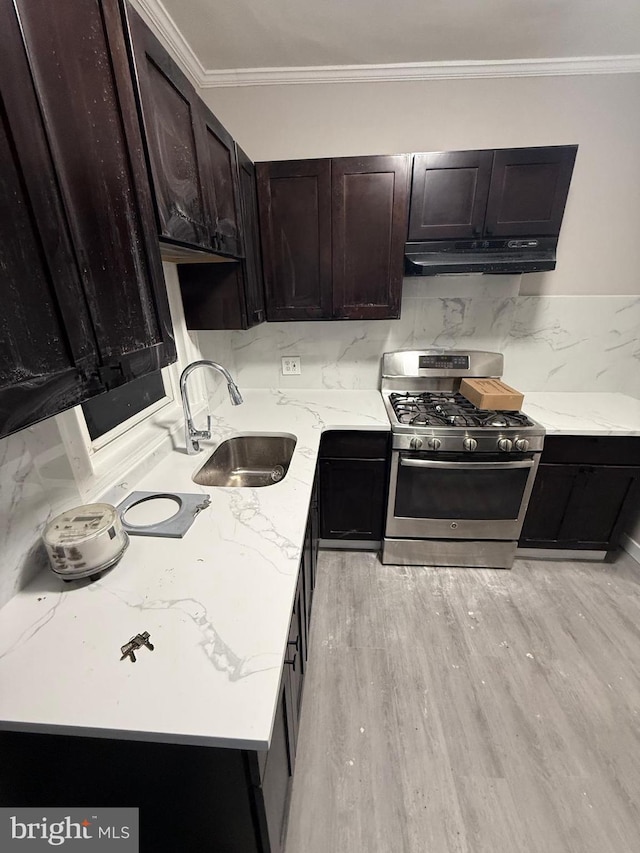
x=460, y=477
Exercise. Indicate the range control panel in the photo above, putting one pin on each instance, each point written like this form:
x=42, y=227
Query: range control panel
x=444, y=362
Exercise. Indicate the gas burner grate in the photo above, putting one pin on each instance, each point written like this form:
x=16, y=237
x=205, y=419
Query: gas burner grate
x=430, y=408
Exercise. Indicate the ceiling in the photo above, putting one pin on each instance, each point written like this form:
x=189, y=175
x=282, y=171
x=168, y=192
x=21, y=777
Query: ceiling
x=300, y=33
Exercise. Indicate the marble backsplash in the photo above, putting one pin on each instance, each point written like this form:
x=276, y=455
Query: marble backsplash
x=554, y=343
x=550, y=343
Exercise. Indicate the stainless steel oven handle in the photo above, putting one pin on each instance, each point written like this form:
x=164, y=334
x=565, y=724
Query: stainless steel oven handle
x=407, y=462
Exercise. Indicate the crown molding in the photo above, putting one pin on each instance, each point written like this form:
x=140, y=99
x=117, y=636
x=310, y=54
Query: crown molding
x=466, y=69
x=163, y=25
x=155, y=14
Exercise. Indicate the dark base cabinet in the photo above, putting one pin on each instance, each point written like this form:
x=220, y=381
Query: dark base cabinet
x=585, y=488
x=353, y=471
x=191, y=798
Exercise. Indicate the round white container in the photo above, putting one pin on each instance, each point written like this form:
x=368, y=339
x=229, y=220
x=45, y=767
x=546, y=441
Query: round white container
x=85, y=540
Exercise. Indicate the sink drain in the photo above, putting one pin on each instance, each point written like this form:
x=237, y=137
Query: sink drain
x=277, y=473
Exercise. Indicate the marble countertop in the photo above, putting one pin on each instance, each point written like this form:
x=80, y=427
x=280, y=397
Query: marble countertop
x=584, y=413
x=216, y=603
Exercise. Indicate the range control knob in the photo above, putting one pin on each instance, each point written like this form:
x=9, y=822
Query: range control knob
x=469, y=444
x=415, y=443
x=505, y=444
x=434, y=443
x=522, y=444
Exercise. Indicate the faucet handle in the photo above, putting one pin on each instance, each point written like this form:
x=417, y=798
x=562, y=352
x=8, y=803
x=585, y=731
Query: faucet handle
x=208, y=426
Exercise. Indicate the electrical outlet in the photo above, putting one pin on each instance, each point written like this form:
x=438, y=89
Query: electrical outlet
x=291, y=365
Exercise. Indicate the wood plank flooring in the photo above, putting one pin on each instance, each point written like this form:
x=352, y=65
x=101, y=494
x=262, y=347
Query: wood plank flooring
x=470, y=711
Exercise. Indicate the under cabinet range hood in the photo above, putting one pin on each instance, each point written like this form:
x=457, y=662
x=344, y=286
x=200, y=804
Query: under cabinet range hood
x=455, y=257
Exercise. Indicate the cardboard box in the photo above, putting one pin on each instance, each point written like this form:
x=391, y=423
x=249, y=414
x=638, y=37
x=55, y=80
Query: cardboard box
x=491, y=394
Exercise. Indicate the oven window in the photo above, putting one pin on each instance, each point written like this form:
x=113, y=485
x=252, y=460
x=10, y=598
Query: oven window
x=460, y=493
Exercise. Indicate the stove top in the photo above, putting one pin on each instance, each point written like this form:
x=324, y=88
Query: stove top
x=420, y=389
x=450, y=409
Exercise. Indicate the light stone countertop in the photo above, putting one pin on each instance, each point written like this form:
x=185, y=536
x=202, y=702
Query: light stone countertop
x=583, y=413
x=216, y=603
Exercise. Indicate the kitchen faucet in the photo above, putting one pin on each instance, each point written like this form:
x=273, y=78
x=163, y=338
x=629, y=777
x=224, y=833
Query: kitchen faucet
x=191, y=434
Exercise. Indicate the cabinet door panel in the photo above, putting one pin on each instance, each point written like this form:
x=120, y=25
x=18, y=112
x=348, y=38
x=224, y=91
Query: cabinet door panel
x=47, y=347
x=294, y=200
x=528, y=191
x=449, y=194
x=253, y=282
x=86, y=97
x=276, y=785
x=552, y=491
x=222, y=188
x=174, y=137
x=595, y=511
x=295, y=663
x=369, y=223
x=352, y=498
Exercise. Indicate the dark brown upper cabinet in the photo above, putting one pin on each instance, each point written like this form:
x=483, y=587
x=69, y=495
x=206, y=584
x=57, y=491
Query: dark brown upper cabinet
x=528, y=192
x=449, y=194
x=86, y=306
x=229, y=295
x=505, y=193
x=294, y=200
x=369, y=198
x=192, y=156
x=333, y=234
x=222, y=186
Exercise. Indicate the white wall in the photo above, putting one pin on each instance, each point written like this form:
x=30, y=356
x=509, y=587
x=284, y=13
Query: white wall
x=599, y=251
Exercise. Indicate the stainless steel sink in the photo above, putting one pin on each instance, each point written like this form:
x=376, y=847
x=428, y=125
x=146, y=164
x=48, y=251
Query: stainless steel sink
x=248, y=460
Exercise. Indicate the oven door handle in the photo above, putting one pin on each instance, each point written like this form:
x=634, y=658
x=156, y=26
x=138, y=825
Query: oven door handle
x=408, y=462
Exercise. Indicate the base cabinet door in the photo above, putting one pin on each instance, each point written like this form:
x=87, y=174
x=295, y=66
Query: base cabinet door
x=353, y=472
x=581, y=507
x=352, y=498
x=272, y=797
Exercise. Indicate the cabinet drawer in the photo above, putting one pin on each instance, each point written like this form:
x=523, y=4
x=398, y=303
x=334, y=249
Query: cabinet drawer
x=352, y=444
x=592, y=450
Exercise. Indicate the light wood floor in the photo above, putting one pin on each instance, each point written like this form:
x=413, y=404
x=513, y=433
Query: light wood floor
x=470, y=711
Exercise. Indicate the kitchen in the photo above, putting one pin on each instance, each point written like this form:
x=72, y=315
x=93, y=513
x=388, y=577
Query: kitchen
x=574, y=330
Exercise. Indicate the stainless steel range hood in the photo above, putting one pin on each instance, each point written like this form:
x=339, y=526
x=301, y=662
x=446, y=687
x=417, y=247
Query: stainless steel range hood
x=480, y=256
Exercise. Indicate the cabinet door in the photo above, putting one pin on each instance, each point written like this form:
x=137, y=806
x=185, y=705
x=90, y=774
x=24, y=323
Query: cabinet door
x=352, y=498
x=94, y=137
x=580, y=507
x=307, y=587
x=273, y=795
x=528, y=192
x=253, y=282
x=174, y=137
x=369, y=225
x=552, y=492
x=221, y=184
x=47, y=346
x=599, y=505
x=294, y=663
x=294, y=199
x=449, y=191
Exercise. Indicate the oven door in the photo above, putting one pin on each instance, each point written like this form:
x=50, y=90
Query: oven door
x=456, y=496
